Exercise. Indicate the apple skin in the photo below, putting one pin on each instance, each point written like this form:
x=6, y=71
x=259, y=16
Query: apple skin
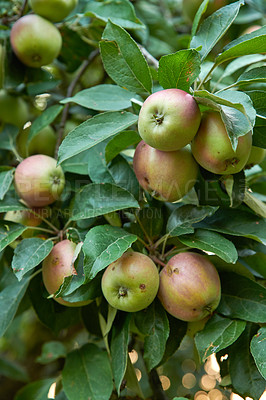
x=212, y=147
x=131, y=282
x=35, y=40
x=13, y=109
x=190, y=287
x=38, y=181
x=54, y=10
x=43, y=143
x=256, y=156
x=58, y=265
x=169, y=119
x=166, y=175
x=24, y=217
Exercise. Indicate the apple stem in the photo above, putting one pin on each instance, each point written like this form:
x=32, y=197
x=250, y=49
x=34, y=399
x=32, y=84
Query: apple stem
x=54, y=228
x=143, y=229
x=157, y=260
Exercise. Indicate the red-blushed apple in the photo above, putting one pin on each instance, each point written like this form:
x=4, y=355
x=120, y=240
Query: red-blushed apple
x=38, y=181
x=169, y=119
x=54, y=10
x=213, y=150
x=256, y=156
x=58, y=265
x=35, y=40
x=166, y=175
x=43, y=143
x=190, y=287
x=13, y=109
x=131, y=282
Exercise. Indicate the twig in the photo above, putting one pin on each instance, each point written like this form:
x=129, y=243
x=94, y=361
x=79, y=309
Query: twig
x=22, y=9
x=150, y=59
x=157, y=260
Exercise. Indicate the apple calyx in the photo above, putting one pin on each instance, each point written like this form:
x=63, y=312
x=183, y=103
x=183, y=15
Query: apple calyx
x=158, y=118
x=122, y=292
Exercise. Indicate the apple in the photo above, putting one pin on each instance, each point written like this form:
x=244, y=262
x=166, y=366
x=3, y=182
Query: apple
x=54, y=10
x=212, y=147
x=166, y=175
x=58, y=265
x=131, y=282
x=169, y=119
x=256, y=156
x=13, y=109
x=24, y=217
x=190, y=7
x=43, y=143
x=251, y=29
x=190, y=287
x=35, y=40
x=38, y=181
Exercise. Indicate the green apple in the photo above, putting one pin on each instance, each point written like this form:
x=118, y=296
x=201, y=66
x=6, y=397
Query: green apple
x=166, y=175
x=190, y=287
x=169, y=119
x=54, y=10
x=212, y=147
x=256, y=156
x=58, y=265
x=38, y=181
x=131, y=282
x=35, y=40
x=13, y=109
x=43, y=143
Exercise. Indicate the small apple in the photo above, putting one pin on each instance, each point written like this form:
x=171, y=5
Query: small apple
x=251, y=29
x=166, y=175
x=190, y=287
x=58, y=265
x=35, y=40
x=256, y=156
x=38, y=181
x=54, y=10
x=24, y=217
x=213, y=150
x=43, y=143
x=169, y=119
x=131, y=282
x=13, y=109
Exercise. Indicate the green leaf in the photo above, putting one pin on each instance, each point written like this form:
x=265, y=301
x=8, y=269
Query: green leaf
x=251, y=43
x=122, y=13
x=119, y=143
x=252, y=76
x=87, y=374
x=104, y=244
x=258, y=350
x=123, y=60
x=119, y=347
x=94, y=131
x=99, y=199
x=103, y=98
x=201, y=10
x=37, y=390
x=258, y=98
x=51, y=351
x=181, y=220
x=258, y=206
x=13, y=370
x=97, y=168
x=153, y=323
x=241, y=62
x=11, y=202
x=77, y=164
x=6, y=178
x=124, y=175
x=245, y=377
x=131, y=379
x=214, y=27
x=218, y=333
x=235, y=186
x=28, y=254
x=8, y=137
x=46, y=118
x=179, y=70
x=212, y=242
x=9, y=231
x=242, y=298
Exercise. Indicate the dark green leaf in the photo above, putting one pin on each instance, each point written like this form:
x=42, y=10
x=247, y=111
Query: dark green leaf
x=258, y=350
x=124, y=175
x=97, y=168
x=11, y=202
x=9, y=231
x=51, y=351
x=8, y=137
x=6, y=178
x=37, y=390
x=236, y=188
x=258, y=98
x=46, y=118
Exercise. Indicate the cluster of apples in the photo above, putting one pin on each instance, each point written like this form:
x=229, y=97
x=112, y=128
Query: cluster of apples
x=35, y=39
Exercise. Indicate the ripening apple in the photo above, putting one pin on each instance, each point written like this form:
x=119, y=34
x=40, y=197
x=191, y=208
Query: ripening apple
x=13, y=109
x=190, y=7
x=169, y=119
x=131, y=282
x=256, y=156
x=190, y=287
x=166, y=175
x=213, y=150
x=43, y=143
x=38, y=181
x=24, y=217
x=35, y=40
x=54, y=10
x=58, y=265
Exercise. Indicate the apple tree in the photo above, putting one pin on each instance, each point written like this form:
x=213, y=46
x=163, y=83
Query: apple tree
x=132, y=199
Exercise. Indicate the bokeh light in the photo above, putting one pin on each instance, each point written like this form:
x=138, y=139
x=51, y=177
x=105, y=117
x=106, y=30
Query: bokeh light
x=165, y=381
x=207, y=382
x=133, y=355
x=189, y=380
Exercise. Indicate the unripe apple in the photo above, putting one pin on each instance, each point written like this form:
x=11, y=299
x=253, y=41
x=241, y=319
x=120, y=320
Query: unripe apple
x=38, y=181
x=166, y=175
x=58, y=265
x=212, y=147
x=54, y=10
x=169, y=119
x=131, y=282
x=43, y=143
x=35, y=40
x=256, y=156
x=251, y=29
x=24, y=217
x=13, y=109
x=190, y=287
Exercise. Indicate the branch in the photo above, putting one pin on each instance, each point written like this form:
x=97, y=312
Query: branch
x=150, y=59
